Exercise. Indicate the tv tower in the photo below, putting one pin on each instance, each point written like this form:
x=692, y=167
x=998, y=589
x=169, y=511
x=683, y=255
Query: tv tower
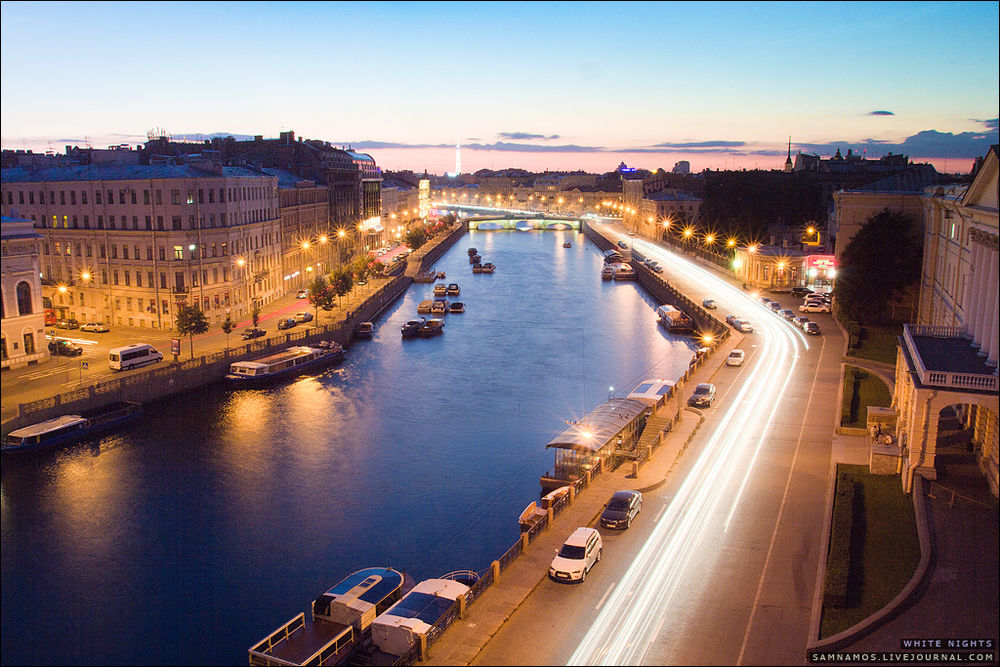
x=458, y=158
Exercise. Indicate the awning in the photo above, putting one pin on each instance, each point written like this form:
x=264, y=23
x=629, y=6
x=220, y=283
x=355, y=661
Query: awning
x=600, y=425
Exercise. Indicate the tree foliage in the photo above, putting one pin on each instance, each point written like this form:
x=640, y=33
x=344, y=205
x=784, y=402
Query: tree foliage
x=415, y=237
x=342, y=280
x=190, y=322
x=322, y=294
x=878, y=265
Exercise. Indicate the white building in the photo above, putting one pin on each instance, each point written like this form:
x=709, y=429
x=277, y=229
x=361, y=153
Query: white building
x=22, y=316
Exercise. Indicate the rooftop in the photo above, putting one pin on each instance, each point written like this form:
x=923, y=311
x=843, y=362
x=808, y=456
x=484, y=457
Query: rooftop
x=599, y=425
x=120, y=172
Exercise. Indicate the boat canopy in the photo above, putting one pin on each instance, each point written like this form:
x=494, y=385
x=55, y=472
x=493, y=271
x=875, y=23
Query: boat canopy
x=371, y=585
x=600, y=425
x=651, y=390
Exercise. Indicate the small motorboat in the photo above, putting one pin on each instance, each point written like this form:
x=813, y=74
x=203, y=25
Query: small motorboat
x=425, y=306
x=607, y=273
x=488, y=267
x=477, y=268
x=454, y=289
x=365, y=330
x=431, y=327
x=440, y=306
x=473, y=251
x=535, y=511
x=440, y=289
x=456, y=307
x=440, y=275
x=474, y=258
x=409, y=330
x=567, y=245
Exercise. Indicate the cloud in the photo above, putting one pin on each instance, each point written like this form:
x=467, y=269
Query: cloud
x=925, y=144
x=881, y=113
x=990, y=123
x=521, y=136
x=702, y=144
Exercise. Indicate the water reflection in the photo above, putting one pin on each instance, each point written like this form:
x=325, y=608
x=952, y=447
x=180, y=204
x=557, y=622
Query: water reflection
x=219, y=514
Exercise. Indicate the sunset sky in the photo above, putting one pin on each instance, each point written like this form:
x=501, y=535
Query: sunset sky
x=563, y=85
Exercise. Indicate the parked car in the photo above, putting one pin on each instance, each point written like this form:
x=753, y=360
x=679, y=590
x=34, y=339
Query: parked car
x=287, y=323
x=95, y=327
x=709, y=303
x=302, y=294
x=788, y=314
x=70, y=323
x=814, y=308
x=801, y=291
x=253, y=332
x=812, y=329
x=581, y=551
x=703, y=396
x=64, y=348
x=304, y=316
x=622, y=509
x=735, y=358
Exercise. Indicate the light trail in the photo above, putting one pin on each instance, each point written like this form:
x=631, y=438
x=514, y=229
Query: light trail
x=627, y=625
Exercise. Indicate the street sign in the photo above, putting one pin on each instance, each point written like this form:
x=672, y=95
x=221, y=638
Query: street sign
x=85, y=365
x=175, y=346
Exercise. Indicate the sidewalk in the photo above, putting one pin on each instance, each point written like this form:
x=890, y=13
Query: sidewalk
x=464, y=638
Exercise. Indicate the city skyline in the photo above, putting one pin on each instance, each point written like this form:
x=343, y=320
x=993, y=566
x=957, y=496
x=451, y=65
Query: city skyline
x=530, y=85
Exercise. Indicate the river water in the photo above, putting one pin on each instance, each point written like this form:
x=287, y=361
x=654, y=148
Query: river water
x=219, y=515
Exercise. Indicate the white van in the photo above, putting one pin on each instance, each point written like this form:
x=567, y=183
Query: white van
x=130, y=356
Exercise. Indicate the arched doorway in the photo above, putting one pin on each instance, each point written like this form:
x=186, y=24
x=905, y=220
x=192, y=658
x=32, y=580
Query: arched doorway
x=962, y=450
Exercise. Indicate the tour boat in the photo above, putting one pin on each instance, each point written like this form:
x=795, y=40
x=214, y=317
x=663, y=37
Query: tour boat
x=291, y=361
x=70, y=428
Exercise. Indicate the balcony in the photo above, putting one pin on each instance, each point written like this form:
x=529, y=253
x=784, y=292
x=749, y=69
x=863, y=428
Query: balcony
x=945, y=357
x=179, y=289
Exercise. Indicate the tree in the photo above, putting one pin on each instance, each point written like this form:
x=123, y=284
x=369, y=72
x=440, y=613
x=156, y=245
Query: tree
x=881, y=261
x=191, y=321
x=415, y=237
x=341, y=280
x=227, y=326
x=321, y=295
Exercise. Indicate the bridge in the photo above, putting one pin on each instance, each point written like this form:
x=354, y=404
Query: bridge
x=485, y=217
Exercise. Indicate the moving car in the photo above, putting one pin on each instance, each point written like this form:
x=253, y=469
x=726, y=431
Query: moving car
x=95, y=327
x=655, y=266
x=709, y=303
x=621, y=509
x=775, y=307
x=788, y=314
x=812, y=329
x=735, y=358
x=744, y=326
x=581, y=551
x=703, y=396
x=812, y=307
x=253, y=332
x=800, y=321
x=70, y=323
x=64, y=348
x=304, y=316
x=287, y=323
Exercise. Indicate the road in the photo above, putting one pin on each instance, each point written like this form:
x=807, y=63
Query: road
x=721, y=568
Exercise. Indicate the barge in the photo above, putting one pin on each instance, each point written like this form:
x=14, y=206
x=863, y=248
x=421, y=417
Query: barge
x=284, y=364
x=70, y=428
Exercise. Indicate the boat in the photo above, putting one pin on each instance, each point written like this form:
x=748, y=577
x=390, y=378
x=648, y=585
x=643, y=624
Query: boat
x=440, y=275
x=428, y=608
x=456, y=307
x=624, y=272
x=427, y=276
x=70, y=428
x=475, y=258
x=534, y=512
x=431, y=327
x=567, y=245
x=473, y=251
x=477, y=268
x=284, y=364
x=365, y=330
x=607, y=273
x=440, y=306
x=337, y=620
x=673, y=318
x=440, y=289
x=409, y=330
x=454, y=289
x=489, y=267
x=425, y=306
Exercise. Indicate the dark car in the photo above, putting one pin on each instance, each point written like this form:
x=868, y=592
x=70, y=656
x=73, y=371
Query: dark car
x=621, y=509
x=801, y=291
x=68, y=324
x=64, y=348
x=703, y=396
x=812, y=329
x=287, y=323
x=253, y=332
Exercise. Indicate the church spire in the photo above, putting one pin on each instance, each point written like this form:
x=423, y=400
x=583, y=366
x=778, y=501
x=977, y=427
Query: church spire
x=788, y=160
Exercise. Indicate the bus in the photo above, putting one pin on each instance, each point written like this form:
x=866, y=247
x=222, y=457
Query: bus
x=50, y=312
x=130, y=356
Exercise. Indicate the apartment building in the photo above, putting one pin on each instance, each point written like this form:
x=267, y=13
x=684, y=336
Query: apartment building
x=22, y=320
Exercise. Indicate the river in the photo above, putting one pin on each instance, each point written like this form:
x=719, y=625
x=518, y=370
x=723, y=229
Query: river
x=219, y=515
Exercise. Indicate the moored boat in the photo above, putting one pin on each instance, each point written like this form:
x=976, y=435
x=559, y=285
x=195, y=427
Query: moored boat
x=489, y=267
x=624, y=272
x=439, y=307
x=425, y=306
x=431, y=327
x=473, y=251
x=474, y=258
x=70, y=428
x=410, y=328
x=427, y=276
x=284, y=364
x=607, y=273
x=440, y=289
x=534, y=512
x=453, y=289
x=365, y=330
x=477, y=268
x=567, y=244
x=456, y=307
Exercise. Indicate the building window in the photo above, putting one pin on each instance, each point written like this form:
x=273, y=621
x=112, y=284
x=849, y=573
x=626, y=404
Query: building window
x=159, y=197
x=175, y=196
x=190, y=198
x=145, y=197
x=176, y=222
x=29, y=343
x=97, y=197
x=23, y=298
x=178, y=252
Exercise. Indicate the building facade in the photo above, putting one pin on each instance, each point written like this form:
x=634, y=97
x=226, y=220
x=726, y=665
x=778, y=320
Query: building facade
x=22, y=334
x=130, y=243
x=948, y=358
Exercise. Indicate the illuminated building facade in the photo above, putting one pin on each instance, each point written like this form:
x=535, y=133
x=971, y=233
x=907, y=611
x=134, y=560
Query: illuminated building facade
x=22, y=334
